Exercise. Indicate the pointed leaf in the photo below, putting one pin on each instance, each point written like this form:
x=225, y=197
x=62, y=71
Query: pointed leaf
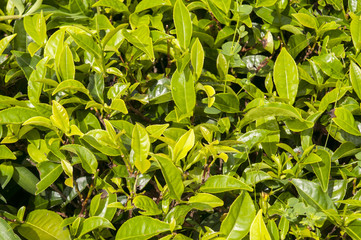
x=54, y=45
x=88, y=160
x=93, y=223
x=285, y=76
x=306, y=20
x=96, y=87
x=49, y=172
x=183, y=91
x=183, y=24
x=35, y=26
x=119, y=105
x=6, y=153
x=4, y=42
x=148, y=206
x=226, y=102
x=43, y=224
x=223, y=183
x=183, y=145
x=25, y=179
x=6, y=232
x=141, y=39
x=355, y=28
x=141, y=228
x=332, y=96
x=39, y=121
x=270, y=110
x=70, y=85
x=239, y=218
x=258, y=228
x=206, y=198
x=6, y=173
x=17, y=115
x=355, y=78
x=34, y=85
x=60, y=117
x=197, y=58
x=172, y=176
x=66, y=65
x=140, y=148
x=313, y=195
x=146, y=4
x=85, y=41
x=345, y=120
x=322, y=169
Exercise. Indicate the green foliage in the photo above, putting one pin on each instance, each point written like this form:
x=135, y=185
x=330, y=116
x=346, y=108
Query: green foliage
x=174, y=119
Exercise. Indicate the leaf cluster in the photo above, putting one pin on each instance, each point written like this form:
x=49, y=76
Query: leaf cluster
x=173, y=119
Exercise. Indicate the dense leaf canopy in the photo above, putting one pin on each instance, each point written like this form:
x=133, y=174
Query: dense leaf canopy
x=174, y=119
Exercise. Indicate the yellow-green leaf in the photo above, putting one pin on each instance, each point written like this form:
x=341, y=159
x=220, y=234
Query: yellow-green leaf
x=197, y=58
x=60, y=118
x=140, y=148
x=355, y=78
x=183, y=24
x=172, y=176
x=345, y=120
x=306, y=20
x=4, y=42
x=141, y=39
x=6, y=153
x=66, y=65
x=355, y=28
x=183, y=145
x=285, y=76
x=258, y=228
x=183, y=91
x=35, y=26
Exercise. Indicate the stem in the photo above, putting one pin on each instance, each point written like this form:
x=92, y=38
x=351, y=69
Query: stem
x=10, y=220
x=135, y=185
x=92, y=186
x=100, y=117
x=11, y=17
x=137, y=112
x=78, y=191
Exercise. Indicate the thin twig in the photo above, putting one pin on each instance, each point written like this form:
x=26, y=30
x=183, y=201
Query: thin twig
x=84, y=203
x=137, y=112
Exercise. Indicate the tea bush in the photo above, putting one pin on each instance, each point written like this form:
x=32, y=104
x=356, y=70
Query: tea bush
x=173, y=119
